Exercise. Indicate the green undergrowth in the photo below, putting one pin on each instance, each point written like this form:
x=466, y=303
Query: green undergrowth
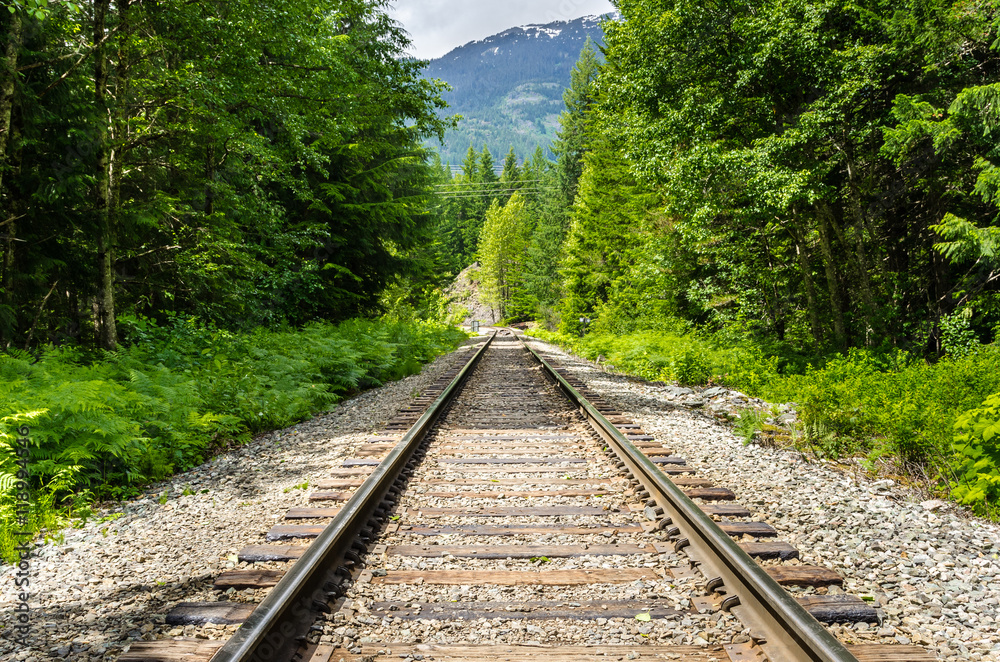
x=939, y=419
x=103, y=425
x=674, y=353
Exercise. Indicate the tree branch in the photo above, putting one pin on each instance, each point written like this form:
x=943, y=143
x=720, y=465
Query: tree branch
x=150, y=251
x=83, y=57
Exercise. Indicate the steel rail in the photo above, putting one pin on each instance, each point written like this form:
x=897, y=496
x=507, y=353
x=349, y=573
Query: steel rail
x=784, y=629
x=274, y=628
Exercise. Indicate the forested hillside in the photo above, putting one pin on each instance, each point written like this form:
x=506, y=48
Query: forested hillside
x=798, y=200
x=508, y=87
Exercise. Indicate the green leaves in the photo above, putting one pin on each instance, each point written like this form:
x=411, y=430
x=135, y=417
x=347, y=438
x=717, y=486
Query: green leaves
x=976, y=449
x=39, y=9
x=608, y=223
x=571, y=142
x=964, y=242
x=502, y=254
x=792, y=146
x=253, y=148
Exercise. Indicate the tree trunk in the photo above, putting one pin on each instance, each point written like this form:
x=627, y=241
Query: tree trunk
x=8, y=84
x=861, y=260
x=75, y=320
x=210, y=181
x=775, y=304
x=8, y=88
x=108, y=333
x=839, y=329
x=802, y=256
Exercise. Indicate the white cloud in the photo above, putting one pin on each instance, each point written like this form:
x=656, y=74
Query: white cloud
x=437, y=26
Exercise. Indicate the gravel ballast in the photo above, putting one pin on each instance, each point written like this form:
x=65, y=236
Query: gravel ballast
x=931, y=568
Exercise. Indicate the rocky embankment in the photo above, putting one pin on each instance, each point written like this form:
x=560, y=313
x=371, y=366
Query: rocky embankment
x=463, y=298
x=726, y=405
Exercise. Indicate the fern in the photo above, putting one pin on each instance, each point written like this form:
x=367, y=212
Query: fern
x=99, y=429
x=976, y=449
x=964, y=242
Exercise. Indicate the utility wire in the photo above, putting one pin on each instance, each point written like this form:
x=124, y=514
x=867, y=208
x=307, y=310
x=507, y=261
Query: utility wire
x=498, y=190
x=471, y=194
x=517, y=181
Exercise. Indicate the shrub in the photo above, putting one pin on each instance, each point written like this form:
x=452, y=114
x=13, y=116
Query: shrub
x=890, y=404
x=748, y=368
x=957, y=337
x=662, y=354
x=976, y=460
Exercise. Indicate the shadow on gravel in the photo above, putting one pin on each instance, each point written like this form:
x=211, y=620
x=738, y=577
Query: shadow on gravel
x=84, y=630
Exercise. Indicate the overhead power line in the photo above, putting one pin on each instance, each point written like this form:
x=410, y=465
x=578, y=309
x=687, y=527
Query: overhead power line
x=482, y=194
x=517, y=181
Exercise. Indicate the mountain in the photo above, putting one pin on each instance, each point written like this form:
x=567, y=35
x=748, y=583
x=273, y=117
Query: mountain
x=509, y=87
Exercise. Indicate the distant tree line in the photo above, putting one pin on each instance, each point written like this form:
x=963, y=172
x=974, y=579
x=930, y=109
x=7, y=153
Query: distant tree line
x=521, y=126
x=516, y=223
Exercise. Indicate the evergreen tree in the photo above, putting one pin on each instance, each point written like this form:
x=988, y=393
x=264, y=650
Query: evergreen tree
x=510, y=177
x=468, y=208
x=487, y=167
x=603, y=235
x=511, y=172
x=542, y=279
x=446, y=210
x=478, y=188
x=470, y=165
x=570, y=144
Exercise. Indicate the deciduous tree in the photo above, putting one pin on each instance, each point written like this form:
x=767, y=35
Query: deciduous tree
x=502, y=257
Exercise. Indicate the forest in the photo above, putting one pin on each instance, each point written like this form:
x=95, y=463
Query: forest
x=213, y=159
x=797, y=200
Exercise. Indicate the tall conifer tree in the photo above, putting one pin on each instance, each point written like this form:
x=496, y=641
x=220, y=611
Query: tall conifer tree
x=571, y=141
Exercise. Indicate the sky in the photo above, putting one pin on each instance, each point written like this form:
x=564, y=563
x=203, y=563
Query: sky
x=437, y=26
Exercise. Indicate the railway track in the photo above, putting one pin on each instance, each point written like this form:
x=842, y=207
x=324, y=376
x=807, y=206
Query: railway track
x=511, y=514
